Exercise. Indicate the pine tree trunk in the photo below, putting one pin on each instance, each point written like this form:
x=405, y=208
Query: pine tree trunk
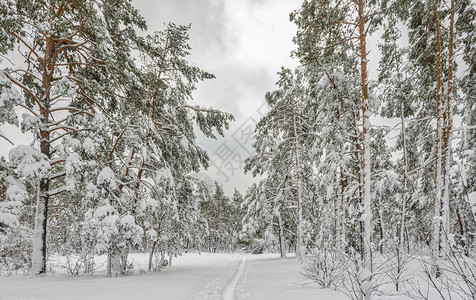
x=365, y=141
x=404, y=190
x=41, y=216
x=438, y=182
x=448, y=117
x=38, y=260
x=282, y=241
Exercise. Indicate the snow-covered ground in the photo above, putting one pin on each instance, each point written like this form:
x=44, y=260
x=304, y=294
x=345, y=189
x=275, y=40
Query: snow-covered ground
x=192, y=277
x=268, y=277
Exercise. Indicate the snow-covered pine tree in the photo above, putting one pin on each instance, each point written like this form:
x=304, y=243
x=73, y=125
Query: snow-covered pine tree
x=283, y=138
x=67, y=47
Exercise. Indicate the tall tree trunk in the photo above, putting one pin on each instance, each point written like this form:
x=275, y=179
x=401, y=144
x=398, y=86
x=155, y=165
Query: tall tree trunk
x=365, y=141
x=438, y=182
x=401, y=229
x=38, y=260
x=405, y=189
x=448, y=118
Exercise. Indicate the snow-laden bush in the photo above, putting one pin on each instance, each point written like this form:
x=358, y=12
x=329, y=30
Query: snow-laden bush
x=80, y=264
x=116, y=235
x=116, y=231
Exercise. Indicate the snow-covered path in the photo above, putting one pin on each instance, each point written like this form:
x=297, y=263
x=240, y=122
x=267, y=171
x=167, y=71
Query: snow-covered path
x=230, y=288
x=192, y=277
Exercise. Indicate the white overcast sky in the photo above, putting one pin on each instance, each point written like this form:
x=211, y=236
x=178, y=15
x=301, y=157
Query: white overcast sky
x=243, y=43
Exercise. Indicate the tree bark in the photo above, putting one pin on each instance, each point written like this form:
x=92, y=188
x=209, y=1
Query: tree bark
x=365, y=141
x=282, y=241
x=41, y=216
x=448, y=123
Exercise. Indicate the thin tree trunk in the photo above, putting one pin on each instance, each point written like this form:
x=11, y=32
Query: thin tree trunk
x=405, y=170
x=380, y=224
x=365, y=141
x=151, y=254
x=282, y=242
x=401, y=236
x=109, y=265
x=437, y=198
x=448, y=117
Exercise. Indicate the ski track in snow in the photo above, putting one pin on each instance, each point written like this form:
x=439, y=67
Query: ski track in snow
x=230, y=288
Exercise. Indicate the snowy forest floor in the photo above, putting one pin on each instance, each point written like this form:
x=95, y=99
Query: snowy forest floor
x=192, y=276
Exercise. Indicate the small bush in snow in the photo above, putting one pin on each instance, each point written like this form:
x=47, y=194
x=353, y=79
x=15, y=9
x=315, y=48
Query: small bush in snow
x=324, y=267
x=360, y=283
x=79, y=265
